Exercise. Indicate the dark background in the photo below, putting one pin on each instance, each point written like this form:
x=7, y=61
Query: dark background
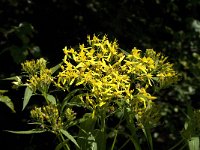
x=31, y=29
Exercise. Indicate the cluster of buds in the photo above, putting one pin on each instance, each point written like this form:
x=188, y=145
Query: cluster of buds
x=33, y=67
x=48, y=116
x=70, y=115
x=51, y=119
x=39, y=77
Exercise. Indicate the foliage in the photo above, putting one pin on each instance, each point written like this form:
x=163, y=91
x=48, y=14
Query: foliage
x=18, y=42
x=171, y=27
x=6, y=100
x=105, y=81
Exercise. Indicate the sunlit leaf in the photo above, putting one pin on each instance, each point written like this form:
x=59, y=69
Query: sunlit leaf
x=92, y=142
x=3, y=91
x=27, y=95
x=193, y=143
x=62, y=144
x=27, y=132
x=69, y=136
x=12, y=78
x=55, y=68
x=51, y=99
x=6, y=100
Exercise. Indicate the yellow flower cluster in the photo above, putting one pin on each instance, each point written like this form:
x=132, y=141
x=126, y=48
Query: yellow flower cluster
x=48, y=116
x=70, y=115
x=112, y=75
x=39, y=77
x=33, y=67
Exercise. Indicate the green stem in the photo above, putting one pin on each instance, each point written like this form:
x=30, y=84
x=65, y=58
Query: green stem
x=177, y=144
x=114, y=141
x=102, y=140
x=135, y=142
x=132, y=128
x=61, y=139
x=124, y=144
x=148, y=136
x=103, y=122
x=45, y=97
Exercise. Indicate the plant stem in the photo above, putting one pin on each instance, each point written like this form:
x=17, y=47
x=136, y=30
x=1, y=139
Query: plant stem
x=177, y=144
x=114, y=141
x=102, y=139
x=148, y=136
x=124, y=144
x=61, y=139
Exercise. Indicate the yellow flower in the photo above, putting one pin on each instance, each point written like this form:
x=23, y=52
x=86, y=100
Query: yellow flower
x=109, y=75
x=149, y=78
x=135, y=54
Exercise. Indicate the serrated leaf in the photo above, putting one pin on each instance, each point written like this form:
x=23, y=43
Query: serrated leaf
x=51, y=99
x=27, y=95
x=27, y=132
x=69, y=136
x=6, y=100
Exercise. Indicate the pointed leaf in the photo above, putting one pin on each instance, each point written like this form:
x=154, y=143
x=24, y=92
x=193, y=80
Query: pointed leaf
x=11, y=78
x=148, y=137
x=62, y=144
x=27, y=132
x=6, y=100
x=125, y=52
x=55, y=68
x=69, y=136
x=68, y=97
x=3, y=91
x=51, y=99
x=27, y=95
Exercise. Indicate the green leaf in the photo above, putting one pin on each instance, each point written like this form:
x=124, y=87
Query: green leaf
x=62, y=144
x=51, y=99
x=100, y=140
x=55, y=68
x=27, y=95
x=33, y=131
x=69, y=136
x=18, y=54
x=87, y=132
x=6, y=100
x=193, y=143
x=92, y=142
x=3, y=91
x=125, y=52
x=133, y=130
x=148, y=136
x=11, y=78
x=68, y=97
